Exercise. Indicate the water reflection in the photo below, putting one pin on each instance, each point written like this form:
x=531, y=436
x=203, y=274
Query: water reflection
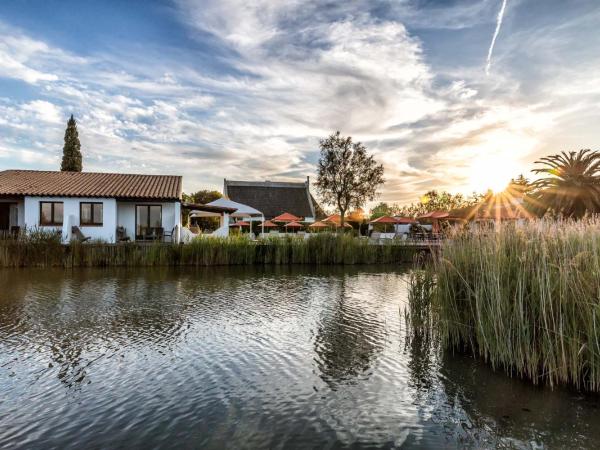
x=251, y=358
x=515, y=413
x=347, y=340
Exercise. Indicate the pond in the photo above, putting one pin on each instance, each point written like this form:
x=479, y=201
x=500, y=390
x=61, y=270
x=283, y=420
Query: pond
x=227, y=357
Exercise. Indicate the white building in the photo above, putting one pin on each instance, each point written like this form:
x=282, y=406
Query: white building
x=105, y=206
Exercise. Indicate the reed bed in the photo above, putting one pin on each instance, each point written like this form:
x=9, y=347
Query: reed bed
x=526, y=298
x=47, y=251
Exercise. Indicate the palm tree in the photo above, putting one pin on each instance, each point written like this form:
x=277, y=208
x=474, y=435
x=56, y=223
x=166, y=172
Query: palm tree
x=572, y=187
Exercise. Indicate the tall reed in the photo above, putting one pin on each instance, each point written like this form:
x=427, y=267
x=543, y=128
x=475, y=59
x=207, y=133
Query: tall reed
x=526, y=298
x=320, y=249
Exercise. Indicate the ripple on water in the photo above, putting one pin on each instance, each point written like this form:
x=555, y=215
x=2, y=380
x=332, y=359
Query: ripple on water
x=248, y=358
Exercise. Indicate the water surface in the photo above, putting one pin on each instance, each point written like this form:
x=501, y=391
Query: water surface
x=251, y=358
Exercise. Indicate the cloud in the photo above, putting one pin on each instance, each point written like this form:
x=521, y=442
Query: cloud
x=30, y=60
x=13, y=65
x=44, y=111
x=290, y=74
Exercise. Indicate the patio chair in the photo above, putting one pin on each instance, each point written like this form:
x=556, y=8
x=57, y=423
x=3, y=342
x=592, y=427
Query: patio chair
x=76, y=232
x=168, y=234
x=154, y=234
x=15, y=231
x=122, y=235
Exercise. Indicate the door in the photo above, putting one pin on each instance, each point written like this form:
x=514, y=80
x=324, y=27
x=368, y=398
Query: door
x=148, y=222
x=4, y=216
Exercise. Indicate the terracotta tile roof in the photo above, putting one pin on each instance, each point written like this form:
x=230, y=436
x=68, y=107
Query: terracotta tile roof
x=89, y=184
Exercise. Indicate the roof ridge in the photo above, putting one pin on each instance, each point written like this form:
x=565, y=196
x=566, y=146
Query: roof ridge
x=88, y=184
x=90, y=173
x=268, y=183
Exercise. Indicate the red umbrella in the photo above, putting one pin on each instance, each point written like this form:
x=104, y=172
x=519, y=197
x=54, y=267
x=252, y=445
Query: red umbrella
x=405, y=220
x=434, y=215
x=385, y=220
x=286, y=217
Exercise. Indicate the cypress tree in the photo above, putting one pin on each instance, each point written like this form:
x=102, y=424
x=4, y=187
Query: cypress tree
x=71, y=161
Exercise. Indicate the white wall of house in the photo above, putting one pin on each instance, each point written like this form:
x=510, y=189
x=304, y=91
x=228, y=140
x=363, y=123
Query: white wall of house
x=18, y=215
x=171, y=216
x=71, y=205
x=115, y=213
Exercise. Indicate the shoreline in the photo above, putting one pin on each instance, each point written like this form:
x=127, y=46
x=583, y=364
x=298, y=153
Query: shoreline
x=320, y=250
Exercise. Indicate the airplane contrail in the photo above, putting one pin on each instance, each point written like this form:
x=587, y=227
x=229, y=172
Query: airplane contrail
x=496, y=33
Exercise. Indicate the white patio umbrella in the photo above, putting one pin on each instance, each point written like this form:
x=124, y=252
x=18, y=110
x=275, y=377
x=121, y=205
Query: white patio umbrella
x=241, y=209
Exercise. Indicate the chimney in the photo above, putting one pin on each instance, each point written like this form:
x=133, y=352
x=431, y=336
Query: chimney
x=308, y=181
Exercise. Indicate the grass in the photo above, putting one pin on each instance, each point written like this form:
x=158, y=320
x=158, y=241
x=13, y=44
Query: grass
x=526, y=299
x=46, y=251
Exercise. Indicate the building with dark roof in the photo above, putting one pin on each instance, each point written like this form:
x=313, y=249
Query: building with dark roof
x=273, y=198
x=105, y=206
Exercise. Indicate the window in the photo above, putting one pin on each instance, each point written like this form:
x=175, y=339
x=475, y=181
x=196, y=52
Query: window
x=90, y=214
x=51, y=213
x=147, y=219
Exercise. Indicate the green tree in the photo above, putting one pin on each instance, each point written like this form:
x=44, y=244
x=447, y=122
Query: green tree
x=572, y=183
x=71, y=160
x=203, y=196
x=383, y=209
x=347, y=176
x=439, y=201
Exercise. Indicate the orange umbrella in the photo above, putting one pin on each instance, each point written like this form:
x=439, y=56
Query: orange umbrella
x=294, y=225
x=384, y=219
x=286, y=217
x=434, y=217
x=320, y=224
x=336, y=219
x=356, y=216
x=333, y=218
x=269, y=224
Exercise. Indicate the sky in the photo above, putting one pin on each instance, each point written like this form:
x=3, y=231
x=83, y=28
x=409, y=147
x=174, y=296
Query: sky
x=459, y=95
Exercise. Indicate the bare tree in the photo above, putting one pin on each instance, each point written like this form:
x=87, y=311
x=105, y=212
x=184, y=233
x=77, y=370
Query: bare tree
x=347, y=176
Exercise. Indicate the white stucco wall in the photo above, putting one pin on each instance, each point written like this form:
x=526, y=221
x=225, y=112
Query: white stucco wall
x=114, y=214
x=106, y=232
x=21, y=213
